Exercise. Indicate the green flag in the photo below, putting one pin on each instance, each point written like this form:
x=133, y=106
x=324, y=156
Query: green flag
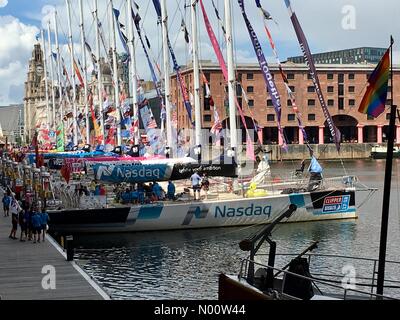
x=60, y=137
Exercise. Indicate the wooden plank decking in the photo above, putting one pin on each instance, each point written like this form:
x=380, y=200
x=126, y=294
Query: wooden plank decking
x=21, y=274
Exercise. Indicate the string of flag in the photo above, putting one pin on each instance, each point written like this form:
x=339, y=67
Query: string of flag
x=335, y=133
x=267, y=16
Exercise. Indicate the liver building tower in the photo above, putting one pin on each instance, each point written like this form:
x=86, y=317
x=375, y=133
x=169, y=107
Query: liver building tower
x=35, y=101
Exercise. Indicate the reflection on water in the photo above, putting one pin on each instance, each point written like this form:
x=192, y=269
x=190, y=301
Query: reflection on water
x=186, y=264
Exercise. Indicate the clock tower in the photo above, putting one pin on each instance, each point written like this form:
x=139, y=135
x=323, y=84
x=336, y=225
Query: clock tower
x=34, y=100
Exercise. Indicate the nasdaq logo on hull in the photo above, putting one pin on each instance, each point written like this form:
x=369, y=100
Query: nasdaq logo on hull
x=226, y=211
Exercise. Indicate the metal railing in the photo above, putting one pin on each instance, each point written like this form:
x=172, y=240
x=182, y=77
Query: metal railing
x=367, y=281
x=245, y=263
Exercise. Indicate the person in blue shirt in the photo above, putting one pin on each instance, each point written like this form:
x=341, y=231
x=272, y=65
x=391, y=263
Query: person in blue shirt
x=134, y=195
x=6, y=203
x=140, y=192
x=28, y=223
x=126, y=197
x=315, y=170
x=171, y=190
x=37, y=226
x=97, y=190
x=44, y=218
x=157, y=191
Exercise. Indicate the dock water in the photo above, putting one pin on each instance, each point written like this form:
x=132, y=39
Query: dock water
x=26, y=270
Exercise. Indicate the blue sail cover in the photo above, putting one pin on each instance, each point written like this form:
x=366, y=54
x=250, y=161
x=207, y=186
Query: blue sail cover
x=131, y=173
x=160, y=170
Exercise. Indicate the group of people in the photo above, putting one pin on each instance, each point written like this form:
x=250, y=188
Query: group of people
x=199, y=183
x=142, y=193
x=33, y=222
x=95, y=189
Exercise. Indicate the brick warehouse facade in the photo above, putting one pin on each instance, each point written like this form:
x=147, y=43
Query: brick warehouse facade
x=343, y=87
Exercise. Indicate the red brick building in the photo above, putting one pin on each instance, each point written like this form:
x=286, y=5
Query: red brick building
x=343, y=87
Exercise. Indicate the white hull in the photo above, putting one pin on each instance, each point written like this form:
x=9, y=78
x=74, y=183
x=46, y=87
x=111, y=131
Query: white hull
x=324, y=205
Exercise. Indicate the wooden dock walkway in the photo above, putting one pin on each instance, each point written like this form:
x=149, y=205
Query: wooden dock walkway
x=21, y=266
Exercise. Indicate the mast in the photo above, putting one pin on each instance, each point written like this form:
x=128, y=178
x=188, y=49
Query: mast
x=133, y=72
x=99, y=73
x=167, y=84
x=231, y=77
x=53, y=98
x=115, y=67
x=45, y=78
x=196, y=76
x=388, y=180
x=85, y=84
x=71, y=43
x=61, y=110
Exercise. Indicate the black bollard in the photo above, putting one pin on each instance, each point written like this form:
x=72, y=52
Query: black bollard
x=69, y=246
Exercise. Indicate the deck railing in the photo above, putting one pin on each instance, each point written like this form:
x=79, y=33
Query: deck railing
x=330, y=282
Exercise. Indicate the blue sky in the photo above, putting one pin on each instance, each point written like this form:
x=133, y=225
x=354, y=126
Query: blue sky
x=322, y=21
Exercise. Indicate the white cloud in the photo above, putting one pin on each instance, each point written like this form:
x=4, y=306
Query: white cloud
x=16, y=45
x=3, y=3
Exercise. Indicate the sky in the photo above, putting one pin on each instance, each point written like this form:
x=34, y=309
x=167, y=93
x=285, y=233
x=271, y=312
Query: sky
x=328, y=25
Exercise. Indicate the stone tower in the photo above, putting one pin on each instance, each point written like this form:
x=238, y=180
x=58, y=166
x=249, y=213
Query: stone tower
x=34, y=100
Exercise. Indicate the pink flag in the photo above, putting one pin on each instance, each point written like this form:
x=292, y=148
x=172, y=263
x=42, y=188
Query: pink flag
x=222, y=64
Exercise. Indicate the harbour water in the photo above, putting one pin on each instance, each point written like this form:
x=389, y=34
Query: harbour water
x=186, y=264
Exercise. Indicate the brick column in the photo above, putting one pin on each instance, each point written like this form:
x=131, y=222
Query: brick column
x=321, y=135
x=360, y=136
x=379, y=133
x=397, y=134
x=260, y=135
x=280, y=141
x=301, y=138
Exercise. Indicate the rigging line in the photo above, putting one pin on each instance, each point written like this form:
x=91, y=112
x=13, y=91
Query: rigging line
x=169, y=28
x=141, y=23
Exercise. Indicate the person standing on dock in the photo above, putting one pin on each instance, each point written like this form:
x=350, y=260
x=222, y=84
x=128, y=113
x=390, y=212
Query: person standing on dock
x=14, y=208
x=23, y=225
x=196, y=184
x=37, y=226
x=6, y=203
x=44, y=218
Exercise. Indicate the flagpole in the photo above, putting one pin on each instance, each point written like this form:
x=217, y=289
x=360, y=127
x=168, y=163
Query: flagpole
x=45, y=78
x=196, y=75
x=133, y=71
x=71, y=43
x=231, y=78
x=387, y=184
x=99, y=72
x=83, y=40
x=115, y=67
x=53, y=98
x=167, y=84
x=61, y=108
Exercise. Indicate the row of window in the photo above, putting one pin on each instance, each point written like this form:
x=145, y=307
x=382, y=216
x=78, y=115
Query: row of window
x=291, y=117
x=311, y=89
x=312, y=102
x=291, y=76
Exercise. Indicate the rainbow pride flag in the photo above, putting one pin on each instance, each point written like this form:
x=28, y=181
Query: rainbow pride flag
x=374, y=100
